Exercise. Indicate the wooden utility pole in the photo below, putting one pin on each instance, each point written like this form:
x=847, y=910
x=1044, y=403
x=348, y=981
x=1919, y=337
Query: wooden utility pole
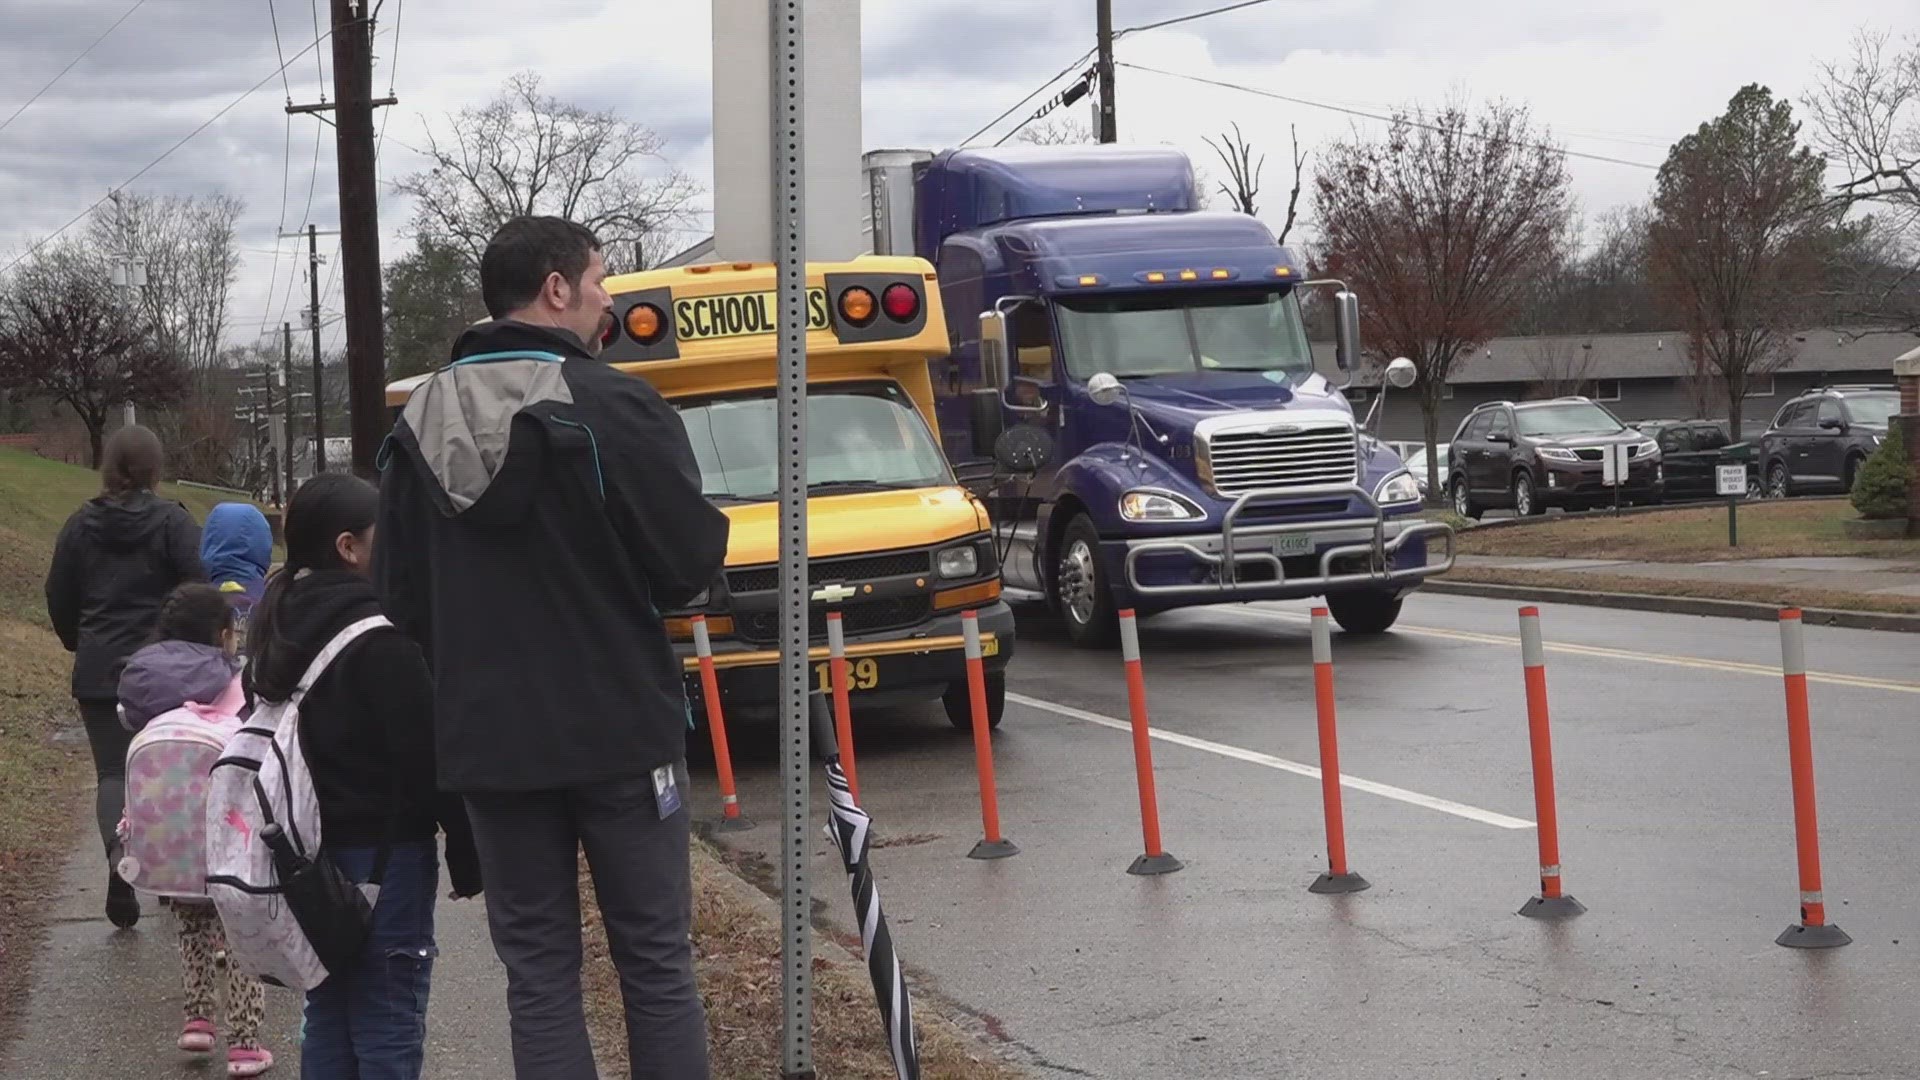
x=359, y=230
x=1109, y=124
x=319, y=375
x=286, y=375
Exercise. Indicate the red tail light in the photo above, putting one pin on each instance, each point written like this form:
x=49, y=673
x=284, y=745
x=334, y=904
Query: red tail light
x=900, y=302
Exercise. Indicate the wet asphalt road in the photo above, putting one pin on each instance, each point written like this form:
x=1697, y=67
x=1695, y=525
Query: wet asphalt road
x=1676, y=831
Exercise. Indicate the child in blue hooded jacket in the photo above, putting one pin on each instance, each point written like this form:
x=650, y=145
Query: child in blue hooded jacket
x=236, y=547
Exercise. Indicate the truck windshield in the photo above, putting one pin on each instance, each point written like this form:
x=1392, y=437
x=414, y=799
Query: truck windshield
x=1573, y=418
x=1172, y=333
x=858, y=439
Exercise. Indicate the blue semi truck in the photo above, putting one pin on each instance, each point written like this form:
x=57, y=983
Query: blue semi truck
x=1196, y=454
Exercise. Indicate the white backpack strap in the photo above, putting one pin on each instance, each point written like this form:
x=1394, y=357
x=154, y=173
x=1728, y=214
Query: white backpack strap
x=347, y=636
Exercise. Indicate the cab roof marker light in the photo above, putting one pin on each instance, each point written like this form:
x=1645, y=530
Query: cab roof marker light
x=1224, y=275
x=1189, y=275
x=1076, y=281
x=1155, y=277
x=1282, y=271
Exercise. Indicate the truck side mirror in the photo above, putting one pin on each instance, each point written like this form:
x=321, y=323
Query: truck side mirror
x=994, y=350
x=1346, y=330
x=1402, y=373
x=986, y=419
x=1022, y=449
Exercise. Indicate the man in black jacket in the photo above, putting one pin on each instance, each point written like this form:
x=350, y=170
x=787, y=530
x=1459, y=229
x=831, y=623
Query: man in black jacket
x=538, y=511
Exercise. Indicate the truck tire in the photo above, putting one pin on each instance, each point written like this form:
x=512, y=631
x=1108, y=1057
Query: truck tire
x=1364, y=611
x=959, y=703
x=1081, y=594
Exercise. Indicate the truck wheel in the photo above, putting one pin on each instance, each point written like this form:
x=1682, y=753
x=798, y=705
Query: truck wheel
x=1364, y=612
x=1080, y=592
x=1463, y=503
x=959, y=703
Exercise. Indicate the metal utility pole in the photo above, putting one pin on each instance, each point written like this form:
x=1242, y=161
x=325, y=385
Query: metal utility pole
x=286, y=375
x=353, y=104
x=1109, y=125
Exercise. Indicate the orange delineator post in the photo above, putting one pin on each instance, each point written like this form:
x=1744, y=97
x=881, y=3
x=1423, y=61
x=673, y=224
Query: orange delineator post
x=1552, y=903
x=1155, y=860
x=992, y=845
x=1337, y=879
x=1812, y=931
x=730, y=818
x=842, y=709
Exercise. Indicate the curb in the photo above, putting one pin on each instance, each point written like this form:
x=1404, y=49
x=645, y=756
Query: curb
x=1675, y=605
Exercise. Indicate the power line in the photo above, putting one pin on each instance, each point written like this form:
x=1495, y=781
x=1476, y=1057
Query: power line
x=169, y=152
x=286, y=168
x=1189, y=18
x=63, y=71
x=274, y=17
x=1410, y=121
x=319, y=64
x=1016, y=106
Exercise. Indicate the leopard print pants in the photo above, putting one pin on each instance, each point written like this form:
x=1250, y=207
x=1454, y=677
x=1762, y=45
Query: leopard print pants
x=203, y=953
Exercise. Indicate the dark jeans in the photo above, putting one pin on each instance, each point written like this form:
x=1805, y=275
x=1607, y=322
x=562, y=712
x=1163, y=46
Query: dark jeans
x=108, y=741
x=529, y=848
x=370, y=1023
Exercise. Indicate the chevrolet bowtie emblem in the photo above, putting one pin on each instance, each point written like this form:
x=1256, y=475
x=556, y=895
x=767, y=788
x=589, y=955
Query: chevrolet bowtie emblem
x=833, y=594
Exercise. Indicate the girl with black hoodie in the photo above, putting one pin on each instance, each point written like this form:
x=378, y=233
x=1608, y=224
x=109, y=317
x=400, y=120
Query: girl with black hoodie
x=366, y=727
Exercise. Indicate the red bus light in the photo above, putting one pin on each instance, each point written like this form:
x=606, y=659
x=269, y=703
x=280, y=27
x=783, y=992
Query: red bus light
x=901, y=302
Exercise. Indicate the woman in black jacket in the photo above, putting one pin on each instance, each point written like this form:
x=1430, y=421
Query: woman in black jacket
x=366, y=728
x=117, y=559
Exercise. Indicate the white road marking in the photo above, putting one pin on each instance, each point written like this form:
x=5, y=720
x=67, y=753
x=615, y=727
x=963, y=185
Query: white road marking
x=1254, y=757
x=1829, y=678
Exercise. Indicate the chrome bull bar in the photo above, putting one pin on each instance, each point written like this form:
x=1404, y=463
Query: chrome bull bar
x=1379, y=550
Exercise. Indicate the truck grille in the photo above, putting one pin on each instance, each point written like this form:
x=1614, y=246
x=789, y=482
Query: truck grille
x=857, y=617
x=823, y=571
x=1253, y=459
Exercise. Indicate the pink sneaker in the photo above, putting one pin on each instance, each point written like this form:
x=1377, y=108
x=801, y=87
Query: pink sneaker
x=248, y=1060
x=197, y=1037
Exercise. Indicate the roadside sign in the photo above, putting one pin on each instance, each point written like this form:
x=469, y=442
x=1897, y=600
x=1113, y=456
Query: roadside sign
x=1730, y=480
x=1613, y=470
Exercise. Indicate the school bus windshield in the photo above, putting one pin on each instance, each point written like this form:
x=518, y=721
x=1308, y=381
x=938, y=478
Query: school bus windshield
x=859, y=438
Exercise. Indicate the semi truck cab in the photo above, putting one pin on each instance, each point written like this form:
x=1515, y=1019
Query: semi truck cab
x=1200, y=455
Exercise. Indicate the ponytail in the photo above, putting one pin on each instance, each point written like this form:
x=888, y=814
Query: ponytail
x=324, y=508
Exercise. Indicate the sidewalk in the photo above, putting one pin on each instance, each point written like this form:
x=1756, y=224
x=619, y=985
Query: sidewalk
x=1831, y=574
x=107, y=1004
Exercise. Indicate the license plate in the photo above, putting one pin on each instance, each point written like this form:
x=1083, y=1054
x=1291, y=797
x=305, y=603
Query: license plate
x=1286, y=547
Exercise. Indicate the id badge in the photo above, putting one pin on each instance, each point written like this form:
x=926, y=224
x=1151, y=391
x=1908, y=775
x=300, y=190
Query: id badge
x=666, y=791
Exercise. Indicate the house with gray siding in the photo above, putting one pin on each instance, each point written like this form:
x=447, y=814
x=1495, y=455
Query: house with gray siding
x=1637, y=376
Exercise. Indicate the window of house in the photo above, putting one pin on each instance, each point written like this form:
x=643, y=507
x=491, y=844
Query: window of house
x=1760, y=386
x=1606, y=390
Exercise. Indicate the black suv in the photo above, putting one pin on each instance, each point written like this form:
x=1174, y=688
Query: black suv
x=1537, y=454
x=1819, y=439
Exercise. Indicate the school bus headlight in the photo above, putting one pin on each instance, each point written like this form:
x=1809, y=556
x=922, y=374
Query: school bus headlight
x=645, y=323
x=958, y=562
x=1156, y=506
x=857, y=306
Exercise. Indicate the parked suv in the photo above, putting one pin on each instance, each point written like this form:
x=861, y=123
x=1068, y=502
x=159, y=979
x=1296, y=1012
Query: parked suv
x=1819, y=440
x=1537, y=454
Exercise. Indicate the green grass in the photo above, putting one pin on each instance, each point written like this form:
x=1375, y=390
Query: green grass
x=1695, y=534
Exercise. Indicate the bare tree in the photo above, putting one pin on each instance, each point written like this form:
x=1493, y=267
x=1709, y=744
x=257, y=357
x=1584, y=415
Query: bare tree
x=1055, y=130
x=1704, y=389
x=1560, y=365
x=1440, y=225
x=527, y=152
x=66, y=336
x=1740, y=235
x=1866, y=116
x=1244, y=171
x=186, y=244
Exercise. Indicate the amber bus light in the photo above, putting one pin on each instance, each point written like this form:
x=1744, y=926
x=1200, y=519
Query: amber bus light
x=645, y=323
x=985, y=592
x=857, y=306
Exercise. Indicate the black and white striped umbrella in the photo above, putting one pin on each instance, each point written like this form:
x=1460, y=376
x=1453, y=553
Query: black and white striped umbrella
x=852, y=832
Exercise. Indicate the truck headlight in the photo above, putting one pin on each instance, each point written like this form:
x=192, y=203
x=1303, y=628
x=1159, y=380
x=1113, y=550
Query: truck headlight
x=1397, y=488
x=1156, y=506
x=958, y=562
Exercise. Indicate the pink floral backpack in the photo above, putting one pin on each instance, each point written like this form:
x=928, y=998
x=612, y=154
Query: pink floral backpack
x=163, y=835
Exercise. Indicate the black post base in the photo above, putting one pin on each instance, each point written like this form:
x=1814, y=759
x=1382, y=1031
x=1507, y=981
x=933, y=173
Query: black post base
x=1799, y=936
x=733, y=824
x=1334, y=884
x=1151, y=865
x=993, y=849
x=1559, y=907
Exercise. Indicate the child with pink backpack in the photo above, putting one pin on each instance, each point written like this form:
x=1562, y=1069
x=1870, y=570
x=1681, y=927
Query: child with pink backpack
x=182, y=697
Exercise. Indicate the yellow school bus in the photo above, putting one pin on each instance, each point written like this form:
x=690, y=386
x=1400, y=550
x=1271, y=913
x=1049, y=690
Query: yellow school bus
x=897, y=546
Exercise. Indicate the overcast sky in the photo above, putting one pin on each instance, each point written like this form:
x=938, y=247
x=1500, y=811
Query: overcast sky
x=1613, y=78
